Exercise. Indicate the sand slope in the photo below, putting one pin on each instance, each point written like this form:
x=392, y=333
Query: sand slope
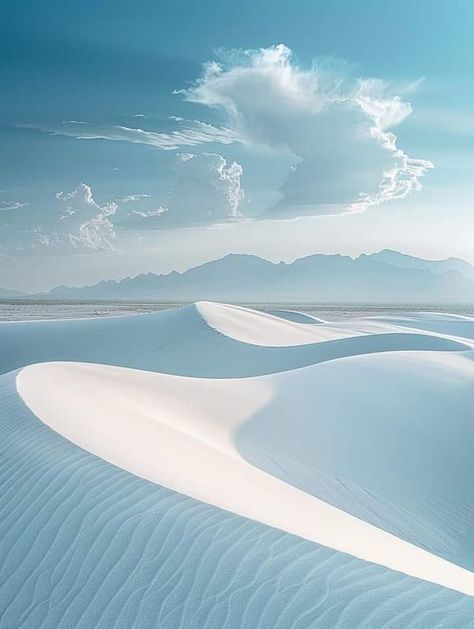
x=87, y=544
x=355, y=437
x=207, y=340
x=197, y=436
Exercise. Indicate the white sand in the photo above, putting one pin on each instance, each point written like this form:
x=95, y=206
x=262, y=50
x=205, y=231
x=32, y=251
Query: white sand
x=183, y=433
x=261, y=328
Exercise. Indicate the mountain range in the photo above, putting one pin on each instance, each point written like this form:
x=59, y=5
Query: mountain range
x=384, y=277
x=9, y=293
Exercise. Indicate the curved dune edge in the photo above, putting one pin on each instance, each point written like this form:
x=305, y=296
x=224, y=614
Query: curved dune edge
x=293, y=329
x=178, y=432
x=294, y=315
x=256, y=327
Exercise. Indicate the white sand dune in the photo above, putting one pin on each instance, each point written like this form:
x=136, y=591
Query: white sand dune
x=209, y=340
x=295, y=315
x=220, y=441
x=455, y=326
x=262, y=328
x=215, y=466
x=285, y=329
x=87, y=544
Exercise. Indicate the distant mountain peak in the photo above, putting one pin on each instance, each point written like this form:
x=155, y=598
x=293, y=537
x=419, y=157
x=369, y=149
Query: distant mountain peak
x=384, y=277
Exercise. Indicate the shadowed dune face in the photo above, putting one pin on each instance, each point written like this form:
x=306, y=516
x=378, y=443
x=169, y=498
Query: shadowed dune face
x=382, y=421
x=398, y=425
x=436, y=323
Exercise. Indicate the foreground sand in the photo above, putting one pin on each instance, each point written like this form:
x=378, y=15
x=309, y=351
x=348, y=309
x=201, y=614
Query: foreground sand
x=355, y=436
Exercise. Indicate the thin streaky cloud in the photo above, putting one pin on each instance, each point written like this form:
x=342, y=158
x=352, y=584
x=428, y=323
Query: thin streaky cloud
x=130, y=198
x=196, y=133
x=6, y=206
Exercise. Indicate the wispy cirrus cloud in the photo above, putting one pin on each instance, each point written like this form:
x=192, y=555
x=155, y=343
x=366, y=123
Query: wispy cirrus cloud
x=131, y=198
x=189, y=133
x=7, y=206
x=159, y=211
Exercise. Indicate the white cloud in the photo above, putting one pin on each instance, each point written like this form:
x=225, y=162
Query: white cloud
x=346, y=159
x=337, y=130
x=74, y=223
x=134, y=197
x=159, y=211
x=6, y=206
x=206, y=191
x=188, y=133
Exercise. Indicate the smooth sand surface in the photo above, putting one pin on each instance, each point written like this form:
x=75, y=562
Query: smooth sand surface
x=212, y=466
x=223, y=441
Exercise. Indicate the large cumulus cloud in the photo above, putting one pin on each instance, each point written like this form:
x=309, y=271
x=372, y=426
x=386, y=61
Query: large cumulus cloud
x=339, y=130
x=335, y=130
x=206, y=190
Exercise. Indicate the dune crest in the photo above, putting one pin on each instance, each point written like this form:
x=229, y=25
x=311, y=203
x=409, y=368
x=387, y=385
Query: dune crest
x=255, y=327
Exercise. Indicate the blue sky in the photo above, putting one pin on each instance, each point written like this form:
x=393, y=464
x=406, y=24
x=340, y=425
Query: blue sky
x=154, y=136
